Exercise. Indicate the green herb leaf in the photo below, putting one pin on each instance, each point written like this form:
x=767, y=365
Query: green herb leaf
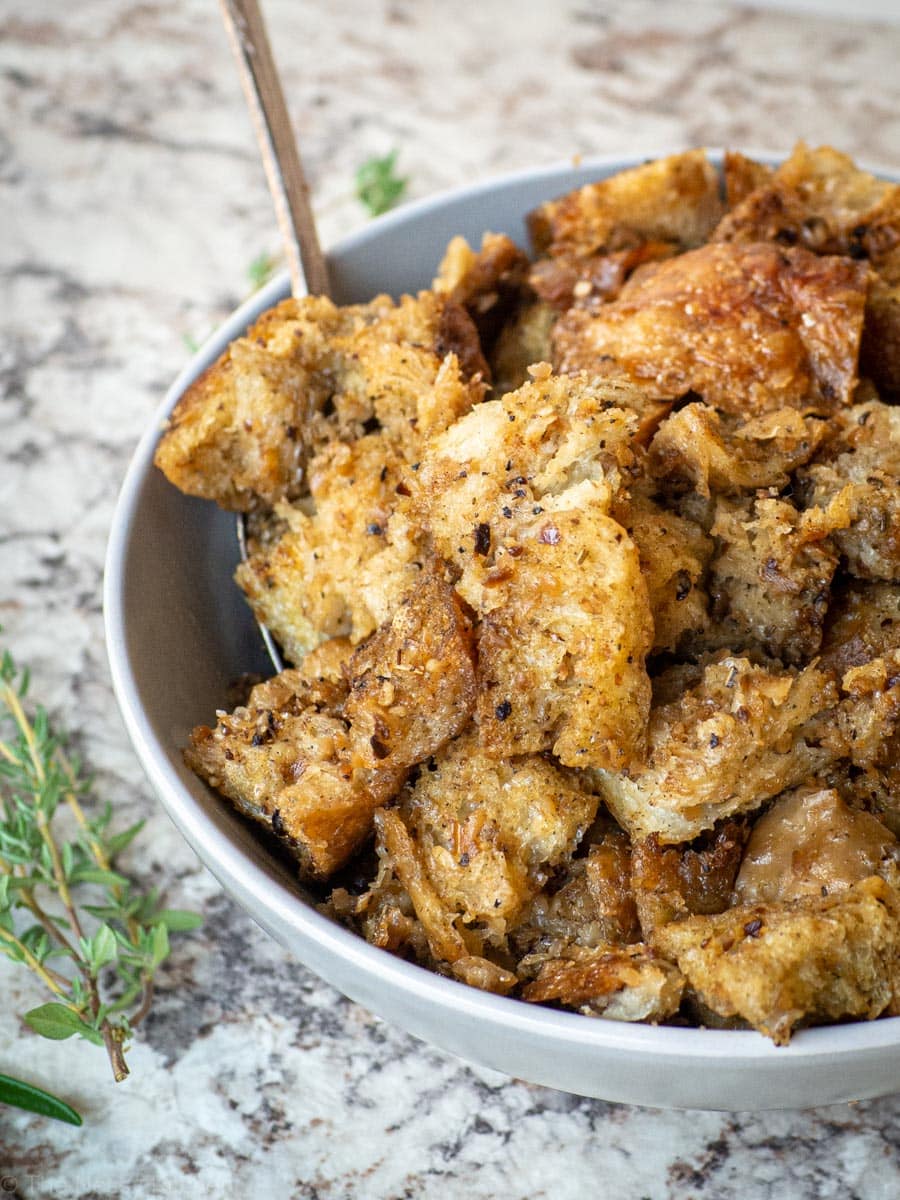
x=117, y=843
x=176, y=920
x=57, y=1022
x=97, y=875
x=378, y=186
x=159, y=945
x=34, y=1099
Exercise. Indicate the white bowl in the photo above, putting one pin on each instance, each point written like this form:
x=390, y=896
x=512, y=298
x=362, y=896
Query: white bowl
x=178, y=632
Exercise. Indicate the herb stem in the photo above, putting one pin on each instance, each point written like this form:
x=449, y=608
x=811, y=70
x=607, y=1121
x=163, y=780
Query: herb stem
x=56, y=983
x=100, y=856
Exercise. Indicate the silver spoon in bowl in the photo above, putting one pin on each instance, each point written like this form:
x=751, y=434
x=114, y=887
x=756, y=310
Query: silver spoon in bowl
x=284, y=172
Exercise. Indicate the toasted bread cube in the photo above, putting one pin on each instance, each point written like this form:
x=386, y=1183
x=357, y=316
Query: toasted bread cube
x=517, y=497
x=750, y=329
x=487, y=283
x=621, y=983
x=309, y=372
x=412, y=684
x=672, y=882
x=479, y=838
x=674, y=199
x=864, y=458
x=674, y=555
x=304, y=584
x=697, y=449
x=820, y=199
x=562, y=647
x=742, y=176
x=775, y=966
x=593, y=906
x=723, y=747
x=523, y=341
x=770, y=580
x=880, y=349
x=863, y=624
x=285, y=761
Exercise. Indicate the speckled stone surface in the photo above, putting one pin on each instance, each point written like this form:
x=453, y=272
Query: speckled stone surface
x=131, y=203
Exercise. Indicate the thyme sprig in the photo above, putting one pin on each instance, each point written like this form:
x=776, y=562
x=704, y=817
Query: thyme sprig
x=96, y=959
x=378, y=186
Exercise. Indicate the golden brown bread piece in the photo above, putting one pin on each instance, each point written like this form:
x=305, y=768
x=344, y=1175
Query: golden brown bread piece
x=304, y=584
x=473, y=840
x=770, y=577
x=742, y=175
x=517, y=496
x=775, y=966
x=524, y=340
x=487, y=834
x=303, y=757
x=307, y=373
x=561, y=651
x=487, y=283
x=621, y=983
x=749, y=328
x=698, y=449
x=863, y=624
x=673, y=199
x=821, y=200
x=593, y=906
x=879, y=353
x=674, y=554
x=598, y=235
x=449, y=947
x=413, y=682
x=862, y=646
x=285, y=761
x=863, y=456
x=569, y=279
x=725, y=746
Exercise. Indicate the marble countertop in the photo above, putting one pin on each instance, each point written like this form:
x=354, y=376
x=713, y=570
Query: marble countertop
x=131, y=204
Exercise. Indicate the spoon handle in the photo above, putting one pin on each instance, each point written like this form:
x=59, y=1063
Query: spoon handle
x=290, y=192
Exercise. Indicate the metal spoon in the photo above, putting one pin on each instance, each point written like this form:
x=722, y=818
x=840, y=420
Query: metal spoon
x=284, y=172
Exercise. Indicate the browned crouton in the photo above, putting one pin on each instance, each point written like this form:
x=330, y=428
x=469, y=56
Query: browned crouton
x=308, y=373
x=672, y=882
x=819, y=958
x=674, y=199
x=750, y=329
x=863, y=457
x=593, y=906
x=487, y=833
x=698, y=449
x=742, y=176
x=412, y=684
x=725, y=746
x=285, y=761
x=304, y=584
x=517, y=497
x=770, y=578
x=486, y=283
x=621, y=983
x=819, y=199
x=674, y=554
x=523, y=341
